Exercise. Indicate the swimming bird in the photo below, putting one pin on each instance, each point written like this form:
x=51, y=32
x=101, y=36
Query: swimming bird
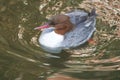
x=66, y=31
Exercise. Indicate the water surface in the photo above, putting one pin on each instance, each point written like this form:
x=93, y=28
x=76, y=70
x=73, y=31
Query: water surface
x=21, y=57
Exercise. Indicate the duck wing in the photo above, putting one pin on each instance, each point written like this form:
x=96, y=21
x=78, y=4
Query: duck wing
x=77, y=16
x=84, y=28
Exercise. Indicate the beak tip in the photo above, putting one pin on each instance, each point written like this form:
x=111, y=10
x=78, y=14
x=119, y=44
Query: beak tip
x=42, y=27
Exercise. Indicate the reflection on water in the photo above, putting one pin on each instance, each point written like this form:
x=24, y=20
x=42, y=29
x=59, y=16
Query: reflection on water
x=21, y=57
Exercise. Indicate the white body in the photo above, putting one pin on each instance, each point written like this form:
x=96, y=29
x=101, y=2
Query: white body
x=51, y=39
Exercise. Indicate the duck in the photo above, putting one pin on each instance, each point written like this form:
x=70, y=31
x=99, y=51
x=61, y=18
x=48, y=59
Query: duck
x=67, y=31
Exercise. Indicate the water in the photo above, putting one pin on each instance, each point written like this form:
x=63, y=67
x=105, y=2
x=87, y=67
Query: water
x=21, y=57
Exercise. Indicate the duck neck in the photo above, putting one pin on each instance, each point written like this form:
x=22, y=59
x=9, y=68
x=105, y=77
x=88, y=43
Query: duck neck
x=61, y=32
x=62, y=29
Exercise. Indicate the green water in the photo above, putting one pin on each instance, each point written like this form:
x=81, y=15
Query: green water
x=21, y=57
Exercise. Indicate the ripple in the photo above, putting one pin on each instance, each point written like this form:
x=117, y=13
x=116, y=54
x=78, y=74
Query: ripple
x=21, y=55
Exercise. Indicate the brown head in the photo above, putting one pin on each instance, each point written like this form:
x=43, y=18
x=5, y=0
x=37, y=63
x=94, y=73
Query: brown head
x=62, y=24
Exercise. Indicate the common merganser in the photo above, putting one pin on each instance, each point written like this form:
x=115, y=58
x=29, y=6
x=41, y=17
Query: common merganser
x=65, y=31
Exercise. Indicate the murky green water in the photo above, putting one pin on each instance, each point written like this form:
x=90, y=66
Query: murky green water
x=21, y=57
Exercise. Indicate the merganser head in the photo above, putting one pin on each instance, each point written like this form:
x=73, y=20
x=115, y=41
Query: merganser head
x=57, y=19
x=61, y=23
